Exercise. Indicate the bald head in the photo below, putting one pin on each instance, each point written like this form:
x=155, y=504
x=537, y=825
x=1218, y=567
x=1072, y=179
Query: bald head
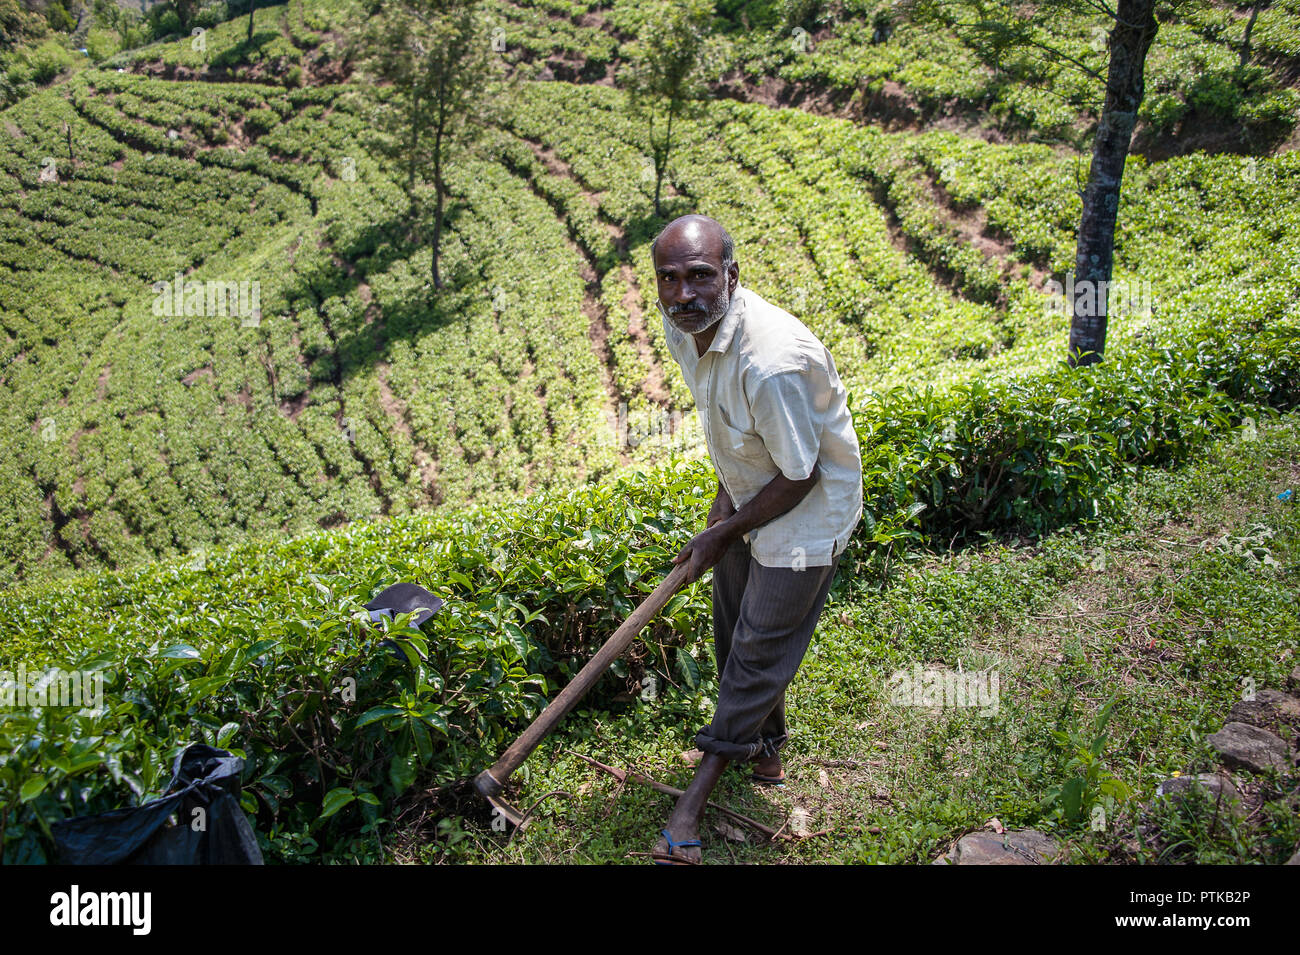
x=695, y=265
x=702, y=233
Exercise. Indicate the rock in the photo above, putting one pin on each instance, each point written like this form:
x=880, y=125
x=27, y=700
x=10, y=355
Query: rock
x=799, y=821
x=1220, y=787
x=1293, y=680
x=1013, y=847
x=1268, y=710
x=1294, y=860
x=1253, y=712
x=1287, y=706
x=730, y=832
x=1243, y=746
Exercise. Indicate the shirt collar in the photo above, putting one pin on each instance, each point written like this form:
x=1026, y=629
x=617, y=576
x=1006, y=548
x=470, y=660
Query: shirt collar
x=730, y=322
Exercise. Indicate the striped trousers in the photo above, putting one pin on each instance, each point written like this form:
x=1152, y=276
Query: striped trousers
x=763, y=622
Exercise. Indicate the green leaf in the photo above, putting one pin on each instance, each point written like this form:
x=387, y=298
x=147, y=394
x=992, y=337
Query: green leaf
x=82, y=763
x=204, y=686
x=423, y=743
x=376, y=713
x=225, y=733
x=32, y=788
x=437, y=722
x=255, y=650
x=518, y=640
x=335, y=800
x=279, y=785
x=688, y=668
x=1072, y=798
x=401, y=772
x=412, y=657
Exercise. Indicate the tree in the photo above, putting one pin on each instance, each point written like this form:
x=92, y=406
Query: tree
x=18, y=25
x=185, y=10
x=437, y=56
x=667, y=75
x=252, y=8
x=1039, y=36
x=1129, y=40
x=1250, y=28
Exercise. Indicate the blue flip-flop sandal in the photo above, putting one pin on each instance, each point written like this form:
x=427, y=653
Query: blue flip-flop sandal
x=673, y=860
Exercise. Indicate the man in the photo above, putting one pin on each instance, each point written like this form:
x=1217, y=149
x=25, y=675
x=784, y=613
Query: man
x=777, y=425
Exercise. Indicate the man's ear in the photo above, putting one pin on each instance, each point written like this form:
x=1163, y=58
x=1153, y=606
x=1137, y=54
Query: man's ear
x=733, y=278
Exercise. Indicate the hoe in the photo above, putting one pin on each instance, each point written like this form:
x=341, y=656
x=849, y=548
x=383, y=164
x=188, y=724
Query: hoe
x=490, y=782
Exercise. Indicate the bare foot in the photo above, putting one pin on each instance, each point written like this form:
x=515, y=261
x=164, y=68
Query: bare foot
x=684, y=824
x=678, y=854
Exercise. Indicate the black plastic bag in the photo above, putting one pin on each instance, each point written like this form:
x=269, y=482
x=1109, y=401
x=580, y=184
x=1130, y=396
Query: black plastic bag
x=212, y=829
x=403, y=598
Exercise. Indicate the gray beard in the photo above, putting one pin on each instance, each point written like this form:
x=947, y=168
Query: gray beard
x=715, y=315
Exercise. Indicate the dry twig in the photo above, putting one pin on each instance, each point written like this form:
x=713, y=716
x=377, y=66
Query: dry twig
x=624, y=776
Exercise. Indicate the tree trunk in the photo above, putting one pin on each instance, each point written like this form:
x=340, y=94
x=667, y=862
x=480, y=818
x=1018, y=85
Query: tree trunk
x=659, y=181
x=1130, y=39
x=661, y=164
x=655, y=153
x=437, y=234
x=440, y=189
x=1250, y=26
x=412, y=150
x=252, y=8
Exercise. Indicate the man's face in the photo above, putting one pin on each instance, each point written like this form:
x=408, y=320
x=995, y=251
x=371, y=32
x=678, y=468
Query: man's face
x=694, y=291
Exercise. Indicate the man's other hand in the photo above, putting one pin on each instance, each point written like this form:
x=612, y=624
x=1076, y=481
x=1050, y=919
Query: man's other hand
x=703, y=552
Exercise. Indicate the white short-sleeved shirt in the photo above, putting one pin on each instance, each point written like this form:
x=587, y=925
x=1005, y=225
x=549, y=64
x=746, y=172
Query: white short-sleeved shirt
x=770, y=400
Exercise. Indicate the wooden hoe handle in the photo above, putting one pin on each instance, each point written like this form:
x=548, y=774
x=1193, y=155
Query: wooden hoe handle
x=490, y=781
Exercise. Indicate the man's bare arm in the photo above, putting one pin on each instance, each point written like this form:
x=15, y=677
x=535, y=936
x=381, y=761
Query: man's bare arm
x=722, y=507
x=778, y=496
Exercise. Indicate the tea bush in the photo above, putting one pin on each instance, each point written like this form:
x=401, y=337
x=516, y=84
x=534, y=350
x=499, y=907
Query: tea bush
x=1031, y=453
x=261, y=649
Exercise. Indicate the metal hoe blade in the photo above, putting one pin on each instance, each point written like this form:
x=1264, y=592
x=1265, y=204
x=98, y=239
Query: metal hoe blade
x=490, y=789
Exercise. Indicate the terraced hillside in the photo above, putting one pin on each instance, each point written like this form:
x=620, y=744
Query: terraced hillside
x=139, y=424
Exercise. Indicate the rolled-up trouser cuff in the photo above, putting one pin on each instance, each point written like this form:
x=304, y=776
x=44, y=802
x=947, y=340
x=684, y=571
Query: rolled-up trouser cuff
x=740, y=752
